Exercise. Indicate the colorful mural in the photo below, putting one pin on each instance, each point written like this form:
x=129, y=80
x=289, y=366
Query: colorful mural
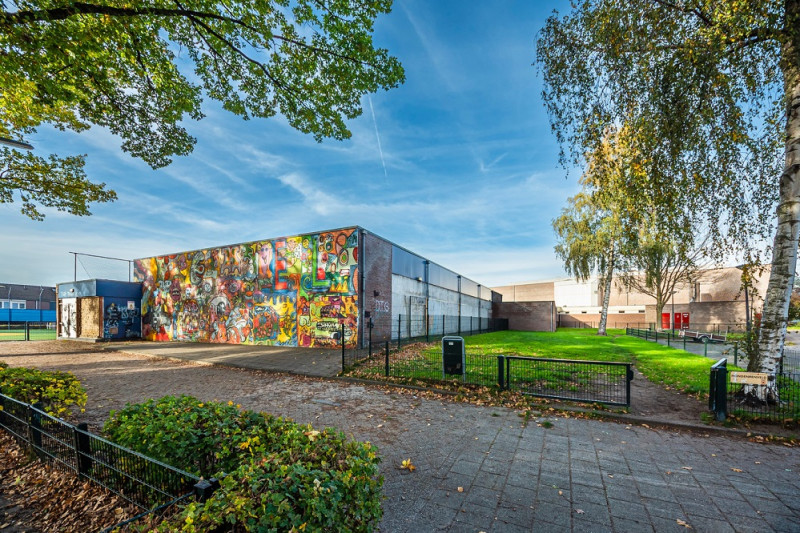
x=294, y=291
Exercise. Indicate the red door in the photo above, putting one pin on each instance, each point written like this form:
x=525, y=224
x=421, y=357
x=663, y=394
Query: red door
x=665, y=321
x=685, y=321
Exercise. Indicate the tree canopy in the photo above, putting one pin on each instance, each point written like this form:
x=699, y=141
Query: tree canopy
x=709, y=93
x=122, y=65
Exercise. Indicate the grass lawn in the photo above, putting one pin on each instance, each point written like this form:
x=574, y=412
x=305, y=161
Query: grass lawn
x=18, y=334
x=661, y=364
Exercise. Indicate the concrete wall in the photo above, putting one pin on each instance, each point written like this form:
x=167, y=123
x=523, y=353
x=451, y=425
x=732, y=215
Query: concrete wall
x=528, y=316
x=409, y=299
x=527, y=292
x=291, y=291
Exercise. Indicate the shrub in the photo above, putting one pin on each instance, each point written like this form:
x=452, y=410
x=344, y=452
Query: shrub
x=276, y=475
x=57, y=391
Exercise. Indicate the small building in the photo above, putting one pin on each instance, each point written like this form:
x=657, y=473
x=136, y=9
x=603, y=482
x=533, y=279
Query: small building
x=99, y=309
x=309, y=290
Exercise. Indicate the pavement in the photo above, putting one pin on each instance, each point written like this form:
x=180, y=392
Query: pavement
x=487, y=469
x=303, y=361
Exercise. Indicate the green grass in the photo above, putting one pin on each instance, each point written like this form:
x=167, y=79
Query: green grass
x=18, y=334
x=669, y=366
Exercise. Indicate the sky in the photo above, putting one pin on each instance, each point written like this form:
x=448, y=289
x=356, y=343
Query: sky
x=458, y=165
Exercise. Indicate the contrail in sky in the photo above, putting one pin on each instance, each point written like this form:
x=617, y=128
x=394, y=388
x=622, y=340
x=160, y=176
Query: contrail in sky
x=377, y=136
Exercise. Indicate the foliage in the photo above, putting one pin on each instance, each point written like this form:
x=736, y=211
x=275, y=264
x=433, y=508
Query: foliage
x=660, y=267
x=709, y=96
x=794, y=306
x=119, y=66
x=275, y=475
x=592, y=230
x=57, y=391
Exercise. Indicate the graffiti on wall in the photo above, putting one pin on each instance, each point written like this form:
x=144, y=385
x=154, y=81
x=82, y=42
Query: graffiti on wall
x=295, y=291
x=120, y=320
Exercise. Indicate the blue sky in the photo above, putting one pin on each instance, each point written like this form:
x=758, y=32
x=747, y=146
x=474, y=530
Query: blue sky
x=458, y=164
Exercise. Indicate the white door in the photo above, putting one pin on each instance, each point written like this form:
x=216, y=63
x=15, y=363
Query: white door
x=68, y=314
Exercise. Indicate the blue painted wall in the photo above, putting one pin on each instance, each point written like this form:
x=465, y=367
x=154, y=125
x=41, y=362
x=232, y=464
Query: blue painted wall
x=28, y=315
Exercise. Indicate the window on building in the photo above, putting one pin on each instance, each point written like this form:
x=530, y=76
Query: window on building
x=13, y=304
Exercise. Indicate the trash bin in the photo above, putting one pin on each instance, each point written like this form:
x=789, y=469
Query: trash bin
x=453, y=357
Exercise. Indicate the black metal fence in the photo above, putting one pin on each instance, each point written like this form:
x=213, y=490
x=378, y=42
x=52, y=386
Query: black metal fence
x=718, y=328
x=565, y=379
x=568, y=379
x=27, y=331
x=406, y=330
x=140, y=480
x=777, y=400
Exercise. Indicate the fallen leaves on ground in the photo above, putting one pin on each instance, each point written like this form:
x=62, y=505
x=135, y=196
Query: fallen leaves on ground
x=683, y=523
x=51, y=499
x=407, y=465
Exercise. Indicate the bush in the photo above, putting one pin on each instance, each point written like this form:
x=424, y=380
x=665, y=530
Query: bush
x=276, y=475
x=57, y=391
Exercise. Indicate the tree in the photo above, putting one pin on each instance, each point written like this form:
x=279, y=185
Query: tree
x=116, y=65
x=590, y=229
x=710, y=92
x=660, y=267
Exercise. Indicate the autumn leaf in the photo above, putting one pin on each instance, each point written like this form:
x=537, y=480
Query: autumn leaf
x=460, y=489
x=736, y=469
x=312, y=435
x=406, y=465
x=682, y=523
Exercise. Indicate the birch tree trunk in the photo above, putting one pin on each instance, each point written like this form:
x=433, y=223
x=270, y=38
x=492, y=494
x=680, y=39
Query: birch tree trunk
x=784, y=252
x=608, y=277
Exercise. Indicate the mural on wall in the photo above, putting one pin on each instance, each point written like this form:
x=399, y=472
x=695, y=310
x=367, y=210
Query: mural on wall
x=294, y=291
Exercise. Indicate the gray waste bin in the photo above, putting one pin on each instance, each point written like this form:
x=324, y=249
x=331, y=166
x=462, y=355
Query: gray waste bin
x=453, y=357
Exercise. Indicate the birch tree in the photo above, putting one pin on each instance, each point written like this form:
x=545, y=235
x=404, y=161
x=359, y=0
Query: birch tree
x=590, y=229
x=123, y=66
x=710, y=91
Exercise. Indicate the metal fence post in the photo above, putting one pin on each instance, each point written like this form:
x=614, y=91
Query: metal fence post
x=82, y=449
x=628, y=379
x=369, y=353
x=387, y=359
x=656, y=335
x=718, y=389
x=342, y=336
x=27, y=331
x=501, y=371
x=705, y=348
x=35, y=427
x=684, y=343
x=736, y=354
x=669, y=343
x=399, y=330
x=646, y=334
x=204, y=488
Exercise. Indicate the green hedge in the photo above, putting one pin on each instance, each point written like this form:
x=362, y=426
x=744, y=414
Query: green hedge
x=57, y=391
x=276, y=475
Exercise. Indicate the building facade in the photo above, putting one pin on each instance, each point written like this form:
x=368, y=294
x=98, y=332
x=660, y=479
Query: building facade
x=718, y=299
x=310, y=290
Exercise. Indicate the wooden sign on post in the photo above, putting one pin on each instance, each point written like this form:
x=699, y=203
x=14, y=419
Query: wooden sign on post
x=749, y=378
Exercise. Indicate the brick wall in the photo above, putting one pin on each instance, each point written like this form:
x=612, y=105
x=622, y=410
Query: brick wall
x=527, y=316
